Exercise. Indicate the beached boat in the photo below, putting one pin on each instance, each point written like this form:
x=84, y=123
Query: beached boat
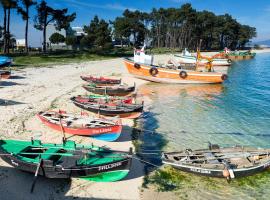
x=142, y=67
x=5, y=61
x=131, y=111
x=187, y=58
x=103, y=99
x=119, y=90
x=98, y=128
x=5, y=74
x=101, y=80
x=229, y=162
x=67, y=160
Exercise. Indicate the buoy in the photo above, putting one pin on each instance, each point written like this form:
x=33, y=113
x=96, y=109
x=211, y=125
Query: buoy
x=226, y=173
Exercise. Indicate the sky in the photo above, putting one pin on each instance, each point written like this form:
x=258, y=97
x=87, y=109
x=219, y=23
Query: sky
x=255, y=13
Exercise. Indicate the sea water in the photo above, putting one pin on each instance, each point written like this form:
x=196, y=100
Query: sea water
x=236, y=112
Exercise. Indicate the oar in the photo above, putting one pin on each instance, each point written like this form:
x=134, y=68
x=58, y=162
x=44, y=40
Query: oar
x=36, y=176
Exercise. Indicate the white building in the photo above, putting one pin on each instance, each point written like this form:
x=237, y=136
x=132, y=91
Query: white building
x=20, y=43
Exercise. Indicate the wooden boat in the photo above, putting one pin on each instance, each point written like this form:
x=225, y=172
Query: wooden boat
x=187, y=58
x=203, y=62
x=235, y=55
x=120, y=90
x=67, y=160
x=164, y=75
x=5, y=74
x=101, y=80
x=130, y=111
x=103, y=99
x=5, y=61
x=98, y=128
x=230, y=162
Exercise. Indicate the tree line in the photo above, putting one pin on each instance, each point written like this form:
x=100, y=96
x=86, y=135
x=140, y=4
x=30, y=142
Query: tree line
x=181, y=27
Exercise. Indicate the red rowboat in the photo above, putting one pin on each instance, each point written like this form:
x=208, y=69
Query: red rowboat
x=101, y=80
x=5, y=74
x=99, y=128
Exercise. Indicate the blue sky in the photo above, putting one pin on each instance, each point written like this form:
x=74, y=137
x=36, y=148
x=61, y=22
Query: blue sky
x=252, y=12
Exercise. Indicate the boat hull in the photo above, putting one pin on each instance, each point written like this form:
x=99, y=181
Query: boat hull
x=238, y=173
x=128, y=113
x=5, y=74
x=109, y=91
x=109, y=133
x=240, y=57
x=172, y=76
x=58, y=172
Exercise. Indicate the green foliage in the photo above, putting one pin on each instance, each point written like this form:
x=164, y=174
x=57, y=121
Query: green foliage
x=57, y=38
x=46, y=15
x=98, y=34
x=182, y=28
x=71, y=40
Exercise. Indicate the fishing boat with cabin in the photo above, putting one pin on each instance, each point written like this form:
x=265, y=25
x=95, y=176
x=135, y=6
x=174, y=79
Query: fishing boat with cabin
x=227, y=162
x=123, y=110
x=142, y=67
x=119, y=90
x=67, y=160
x=83, y=125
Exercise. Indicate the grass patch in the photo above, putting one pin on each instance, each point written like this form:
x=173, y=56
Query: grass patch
x=67, y=56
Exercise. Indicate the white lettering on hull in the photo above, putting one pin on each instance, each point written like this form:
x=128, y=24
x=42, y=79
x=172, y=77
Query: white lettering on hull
x=202, y=171
x=110, y=166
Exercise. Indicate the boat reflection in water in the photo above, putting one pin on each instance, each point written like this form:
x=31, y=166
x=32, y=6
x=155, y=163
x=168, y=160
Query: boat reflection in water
x=160, y=91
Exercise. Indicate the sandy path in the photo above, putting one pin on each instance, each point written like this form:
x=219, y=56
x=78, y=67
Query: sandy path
x=32, y=90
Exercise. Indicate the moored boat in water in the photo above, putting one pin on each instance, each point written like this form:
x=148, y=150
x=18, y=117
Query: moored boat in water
x=101, y=80
x=122, y=110
x=186, y=57
x=119, y=90
x=229, y=162
x=67, y=160
x=98, y=128
x=142, y=67
x=103, y=99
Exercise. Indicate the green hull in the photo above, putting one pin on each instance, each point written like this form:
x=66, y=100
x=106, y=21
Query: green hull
x=89, y=162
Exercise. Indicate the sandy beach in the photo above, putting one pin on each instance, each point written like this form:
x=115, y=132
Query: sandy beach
x=35, y=89
x=38, y=89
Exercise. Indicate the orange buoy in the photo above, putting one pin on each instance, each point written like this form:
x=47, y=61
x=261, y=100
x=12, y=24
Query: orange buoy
x=226, y=173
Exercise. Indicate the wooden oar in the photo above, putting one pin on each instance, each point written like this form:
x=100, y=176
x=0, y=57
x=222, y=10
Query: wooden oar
x=36, y=176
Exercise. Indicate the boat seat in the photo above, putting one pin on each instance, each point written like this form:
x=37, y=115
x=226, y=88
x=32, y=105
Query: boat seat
x=211, y=158
x=49, y=153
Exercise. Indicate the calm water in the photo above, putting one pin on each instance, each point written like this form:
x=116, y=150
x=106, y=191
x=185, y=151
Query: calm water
x=236, y=112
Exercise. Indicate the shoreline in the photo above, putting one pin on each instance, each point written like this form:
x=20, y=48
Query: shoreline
x=31, y=90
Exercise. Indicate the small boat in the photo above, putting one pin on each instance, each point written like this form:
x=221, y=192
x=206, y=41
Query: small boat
x=142, y=67
x=103, y=99
x=4, y=74
x=98, y=128
x=67, y=160
x=5, y=61
x=187, y=57
x=119, y=90
x=101, y=80
x=235, y=55
x=130, y=111
x=229, y=162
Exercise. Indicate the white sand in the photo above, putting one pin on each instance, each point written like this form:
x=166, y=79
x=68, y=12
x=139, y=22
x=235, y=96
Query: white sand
x=39, y=89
